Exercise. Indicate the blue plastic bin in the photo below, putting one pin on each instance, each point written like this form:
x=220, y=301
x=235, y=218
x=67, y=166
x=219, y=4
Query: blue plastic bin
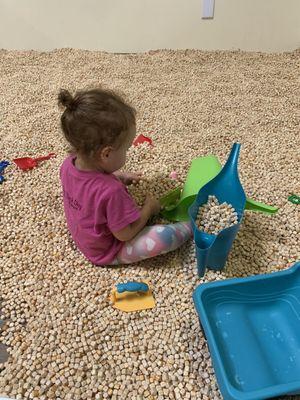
x=252, y=326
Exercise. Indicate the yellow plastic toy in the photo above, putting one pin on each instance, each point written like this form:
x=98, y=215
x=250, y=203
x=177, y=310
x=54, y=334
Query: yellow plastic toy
x=132, y=296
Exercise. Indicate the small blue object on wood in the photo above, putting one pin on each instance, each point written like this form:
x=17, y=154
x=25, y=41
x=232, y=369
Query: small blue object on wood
x=132, y=287
x=3, y=165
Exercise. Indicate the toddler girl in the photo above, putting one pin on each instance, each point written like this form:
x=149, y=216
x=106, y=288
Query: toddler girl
x=103, y=219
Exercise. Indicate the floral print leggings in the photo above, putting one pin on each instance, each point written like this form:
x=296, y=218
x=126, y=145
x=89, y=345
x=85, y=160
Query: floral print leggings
x=153, y=241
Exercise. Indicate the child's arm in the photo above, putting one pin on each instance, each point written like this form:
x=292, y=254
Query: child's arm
x=151, y=207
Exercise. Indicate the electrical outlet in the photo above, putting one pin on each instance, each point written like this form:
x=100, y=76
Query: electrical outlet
x=208, y=9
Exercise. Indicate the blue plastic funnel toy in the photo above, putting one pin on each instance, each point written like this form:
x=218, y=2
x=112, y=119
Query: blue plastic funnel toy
x=212, y=250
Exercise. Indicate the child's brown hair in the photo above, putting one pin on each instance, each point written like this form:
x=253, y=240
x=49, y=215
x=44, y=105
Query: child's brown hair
x=94, y=118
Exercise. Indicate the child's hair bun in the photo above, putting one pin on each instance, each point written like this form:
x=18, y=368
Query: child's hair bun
x=66, y=99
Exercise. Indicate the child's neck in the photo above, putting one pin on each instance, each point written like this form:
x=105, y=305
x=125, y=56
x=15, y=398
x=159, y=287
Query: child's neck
x=83, y=165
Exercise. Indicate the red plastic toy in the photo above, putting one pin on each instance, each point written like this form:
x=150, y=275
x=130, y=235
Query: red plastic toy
x=142, y=139
x=26, y=163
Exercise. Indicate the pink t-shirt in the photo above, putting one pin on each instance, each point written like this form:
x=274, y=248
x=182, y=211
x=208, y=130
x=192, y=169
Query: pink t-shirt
x=96, y=204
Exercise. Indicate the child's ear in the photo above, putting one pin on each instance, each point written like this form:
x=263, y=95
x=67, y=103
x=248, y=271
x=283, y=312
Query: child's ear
x=105, y=152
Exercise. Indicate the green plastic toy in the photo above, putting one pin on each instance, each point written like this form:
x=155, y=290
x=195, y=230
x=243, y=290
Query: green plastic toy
x=294, y=199
x=203, y=169
x=170, y=199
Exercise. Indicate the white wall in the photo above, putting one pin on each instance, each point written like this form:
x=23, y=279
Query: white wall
x=141, y=25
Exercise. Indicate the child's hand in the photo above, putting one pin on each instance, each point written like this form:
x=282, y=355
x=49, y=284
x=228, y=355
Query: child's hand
x=153, y=204
x=129, y=178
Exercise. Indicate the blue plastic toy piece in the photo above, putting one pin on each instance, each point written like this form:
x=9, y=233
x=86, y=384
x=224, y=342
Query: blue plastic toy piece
x=212, y=250
x=132, y=287
x=252, y=328
x=3, y=165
